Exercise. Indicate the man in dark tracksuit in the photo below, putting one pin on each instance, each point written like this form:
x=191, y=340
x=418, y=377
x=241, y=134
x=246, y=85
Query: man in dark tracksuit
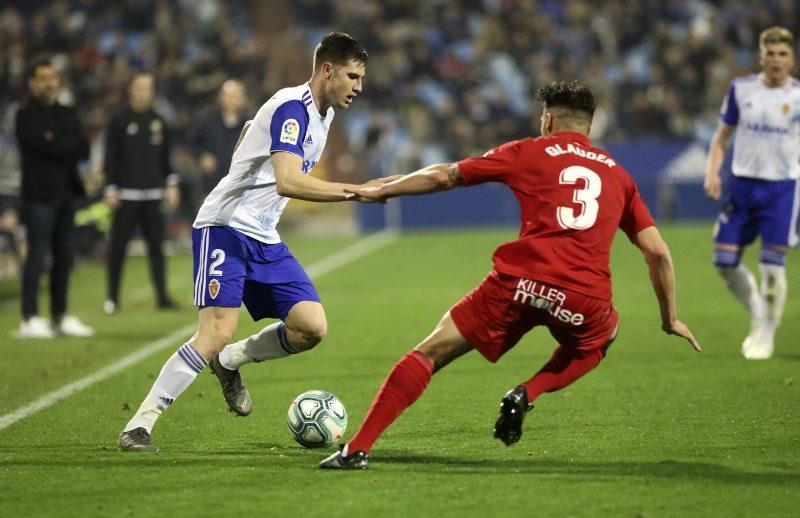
x=139, y=177
x=215, y=135
x=51, y=143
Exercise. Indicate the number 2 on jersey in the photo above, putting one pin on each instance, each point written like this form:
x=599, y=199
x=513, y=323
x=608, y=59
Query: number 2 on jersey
x=586, y=197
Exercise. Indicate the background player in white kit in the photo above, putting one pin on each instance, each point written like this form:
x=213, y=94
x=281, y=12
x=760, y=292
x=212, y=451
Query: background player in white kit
x=763, y=110
x=239, y=256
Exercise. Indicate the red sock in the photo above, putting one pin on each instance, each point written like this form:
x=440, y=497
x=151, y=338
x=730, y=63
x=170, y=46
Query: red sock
x=563, y=368
x=404, y=384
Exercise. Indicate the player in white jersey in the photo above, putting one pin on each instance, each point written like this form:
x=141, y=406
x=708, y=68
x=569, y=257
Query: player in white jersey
x=239, y=256
x=763, y=111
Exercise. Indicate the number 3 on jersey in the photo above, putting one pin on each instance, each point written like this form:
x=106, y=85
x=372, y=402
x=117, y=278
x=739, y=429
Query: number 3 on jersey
x=586, y=197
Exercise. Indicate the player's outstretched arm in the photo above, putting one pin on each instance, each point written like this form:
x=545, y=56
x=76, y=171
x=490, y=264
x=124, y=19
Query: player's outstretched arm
x=716, y=154
x=662, y=276
x=292, y=183
x=434, y=178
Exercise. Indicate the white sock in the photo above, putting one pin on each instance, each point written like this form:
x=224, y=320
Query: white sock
x=742, y=284
x=268, y=344
x=177, y=374
x=773, y=289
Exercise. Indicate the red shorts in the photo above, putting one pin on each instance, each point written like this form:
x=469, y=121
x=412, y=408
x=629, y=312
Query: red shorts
x=496, y=314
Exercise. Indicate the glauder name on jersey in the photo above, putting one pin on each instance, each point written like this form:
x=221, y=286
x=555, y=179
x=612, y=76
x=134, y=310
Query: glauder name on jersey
x=544, y=297
x=556, y=150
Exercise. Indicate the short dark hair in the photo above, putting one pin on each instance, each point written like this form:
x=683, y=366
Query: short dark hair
x=571, y=94
x=339, y=48
x=36, y=64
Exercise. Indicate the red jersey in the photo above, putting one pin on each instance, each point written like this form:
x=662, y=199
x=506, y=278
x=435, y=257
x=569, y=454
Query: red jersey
x=572, y=198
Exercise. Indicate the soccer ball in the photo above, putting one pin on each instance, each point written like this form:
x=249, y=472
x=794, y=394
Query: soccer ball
x=317, y=419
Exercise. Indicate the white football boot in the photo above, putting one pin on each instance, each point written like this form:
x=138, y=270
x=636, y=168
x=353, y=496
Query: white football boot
x=71, y=326
x=758, y=345
x=35, y=327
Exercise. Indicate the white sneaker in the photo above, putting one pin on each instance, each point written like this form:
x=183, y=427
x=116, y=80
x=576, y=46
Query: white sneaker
x=758, y=346
x=748, y=342
x=109, y=307
x=71, y=326
x=35, y=327
x=759, y=351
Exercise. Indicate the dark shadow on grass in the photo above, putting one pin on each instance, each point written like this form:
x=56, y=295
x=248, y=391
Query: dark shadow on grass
x=664, y=469
x=262, y=455
x=268, y=449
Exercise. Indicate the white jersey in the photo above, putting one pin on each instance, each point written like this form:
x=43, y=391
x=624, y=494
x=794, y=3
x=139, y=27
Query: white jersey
x=767, y=121
x=246, y=198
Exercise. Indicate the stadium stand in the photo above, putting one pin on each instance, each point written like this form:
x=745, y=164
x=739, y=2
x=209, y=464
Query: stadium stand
x=447, y=78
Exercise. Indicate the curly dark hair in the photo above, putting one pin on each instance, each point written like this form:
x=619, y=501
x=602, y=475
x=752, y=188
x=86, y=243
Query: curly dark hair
x=571, y=94
x=338, y=48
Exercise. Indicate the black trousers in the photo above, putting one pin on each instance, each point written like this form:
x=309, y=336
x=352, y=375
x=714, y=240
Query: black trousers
x=129, y=215
x=50, y=229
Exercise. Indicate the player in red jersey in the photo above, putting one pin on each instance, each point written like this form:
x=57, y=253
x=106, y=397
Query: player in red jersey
x=573, y=197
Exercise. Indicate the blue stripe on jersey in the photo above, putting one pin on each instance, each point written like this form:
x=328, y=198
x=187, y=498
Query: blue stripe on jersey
x=730, y=110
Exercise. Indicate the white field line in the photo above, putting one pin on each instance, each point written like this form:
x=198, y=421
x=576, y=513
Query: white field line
x=100, y=375
x=334, y=261
x=357, y=250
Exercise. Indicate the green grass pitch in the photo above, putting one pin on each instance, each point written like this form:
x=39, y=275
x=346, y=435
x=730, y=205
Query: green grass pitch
x=655, y=430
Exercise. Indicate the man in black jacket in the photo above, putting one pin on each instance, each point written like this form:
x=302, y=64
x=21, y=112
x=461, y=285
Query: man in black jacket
x=51, y=144
x=140, y=179
x=215, y=134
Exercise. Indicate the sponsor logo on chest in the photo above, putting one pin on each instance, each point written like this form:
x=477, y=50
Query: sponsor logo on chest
x=768, y=117
x=309, y=149
x=308, y=165
x=156, y=129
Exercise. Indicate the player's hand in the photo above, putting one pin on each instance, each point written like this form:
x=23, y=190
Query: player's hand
x=380, y=181
x=678, y=328
x=112, y=200
x=370, y=192
x=172, y=197
x=713, y=187
x=365, y=194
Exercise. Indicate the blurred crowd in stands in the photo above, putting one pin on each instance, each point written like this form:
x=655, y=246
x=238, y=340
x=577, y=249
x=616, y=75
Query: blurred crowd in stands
x=446, y=78
x=192, y=47
x=452, y=78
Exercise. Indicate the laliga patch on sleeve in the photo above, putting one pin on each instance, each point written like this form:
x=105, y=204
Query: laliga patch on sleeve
x=290, y=131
